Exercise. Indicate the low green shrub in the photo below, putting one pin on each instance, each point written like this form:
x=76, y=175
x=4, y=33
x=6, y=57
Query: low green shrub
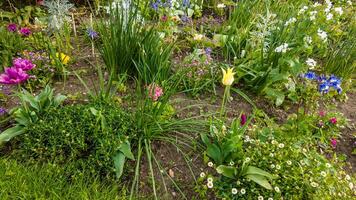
x=88, y=135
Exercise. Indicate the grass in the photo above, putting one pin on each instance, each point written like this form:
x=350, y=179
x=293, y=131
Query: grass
x=34, y=181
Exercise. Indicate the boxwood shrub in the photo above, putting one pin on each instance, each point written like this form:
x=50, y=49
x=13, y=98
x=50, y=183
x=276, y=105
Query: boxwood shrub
x=73, y=134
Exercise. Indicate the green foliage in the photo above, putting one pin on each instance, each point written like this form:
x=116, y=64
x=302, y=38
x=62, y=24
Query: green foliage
x=50, y=181
x=30, y=111
x=89, y=136
x=10, y=44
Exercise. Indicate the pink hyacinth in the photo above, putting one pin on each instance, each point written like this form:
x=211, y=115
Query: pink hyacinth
x=24, y=64
x=333, y=142
x=13, y=76
x=25, y=32
x=333, y=120
x=243, y=119
x=12, y=27
x=154, y=91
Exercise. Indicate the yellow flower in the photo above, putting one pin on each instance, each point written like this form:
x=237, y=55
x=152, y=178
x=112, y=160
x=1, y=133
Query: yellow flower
x=228, y=77
x=198, y=37
x=63, y=58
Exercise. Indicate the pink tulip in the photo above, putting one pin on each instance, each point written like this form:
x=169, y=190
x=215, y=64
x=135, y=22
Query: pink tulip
x=13, y=76
x=23, y=64
x=243, y=119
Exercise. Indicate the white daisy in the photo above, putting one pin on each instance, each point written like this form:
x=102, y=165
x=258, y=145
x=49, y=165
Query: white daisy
x=210, y=184
x=210, y=164
x=234, y=191
x=202, y=174
x=243, y=191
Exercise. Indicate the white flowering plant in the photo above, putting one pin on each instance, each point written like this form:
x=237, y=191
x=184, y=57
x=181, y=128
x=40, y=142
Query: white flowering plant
x=293, y=166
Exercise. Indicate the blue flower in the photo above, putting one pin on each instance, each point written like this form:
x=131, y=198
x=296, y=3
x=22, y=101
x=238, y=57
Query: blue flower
x=310, y=75
x=168, y=4
x=186, y=3
x=334, y=81
x=92, y=34
x=338, y=89
x=324, y=87
x=184, y=18
x=154, y=6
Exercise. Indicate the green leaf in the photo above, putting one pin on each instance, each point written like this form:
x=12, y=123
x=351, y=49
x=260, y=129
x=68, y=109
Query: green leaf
x=261, y=180
x=10, y=133
x=59, y=99
x=119, y=162
x=205, y=138
x=125, y=148
x=257, y=171
x=214, y=153
x=227, y=171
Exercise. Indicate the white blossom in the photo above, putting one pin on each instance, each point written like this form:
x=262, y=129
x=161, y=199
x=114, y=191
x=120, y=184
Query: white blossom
x=329, y=16
x=347, y=177
x=210, y=184
x=202, y=174
x=323, y=174
x=260, y=198
x=339, y=10
x=290, y=21
x=221, y=5
x=198, y=37
x=289, y=162
x=210, y=164
x=311, y=63
x=323, y=35
x=277, y=189
x=210, y=179
x=313, y=184
x=282, y=49
x=281, y=145
x=234, y=191
x=243, y=191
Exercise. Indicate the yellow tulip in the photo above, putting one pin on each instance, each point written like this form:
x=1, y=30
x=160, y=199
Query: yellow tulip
x=63, y=57
x=228, y=77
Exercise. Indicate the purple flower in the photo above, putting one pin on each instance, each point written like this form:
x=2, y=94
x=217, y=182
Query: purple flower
x=310, y=75
x=92, y=34
x=168, y=4
x=13, y=75
x=208, y=51
x=25, y=32
x=12, y=27
x=243, y=119
x=23, y=64
x=2, y=111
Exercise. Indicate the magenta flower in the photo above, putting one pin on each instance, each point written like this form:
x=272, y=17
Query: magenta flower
x=243, y=119
x=13, y=76
x=333, y=120
x=154, y=91
x=12, y=27
x=24, y=64
x=333, y=142
x=322, y=113
x=25, y=32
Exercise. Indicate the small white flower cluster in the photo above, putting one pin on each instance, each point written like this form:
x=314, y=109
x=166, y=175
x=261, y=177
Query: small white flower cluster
x=323, y=35
x=302, y=10
x=311, y=63
x=329, y=16
x=339, y=10
x=210, y=164
x=210, y=183
x=290, y=21
x=282, y=49
x=198, y=37
x=313, y=15
x=308, y=39
x=221, y=5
